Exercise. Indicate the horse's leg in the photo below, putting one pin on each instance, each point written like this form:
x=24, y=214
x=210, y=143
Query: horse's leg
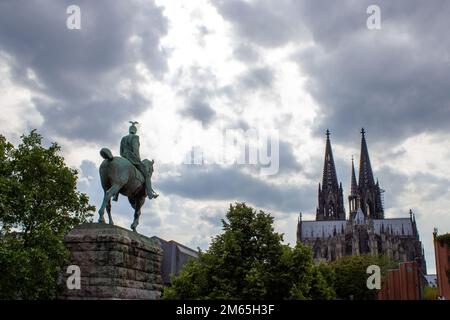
x=133, y=203
x=137, y=212
x=107, y=199
x=108, y=210
x=101, y=211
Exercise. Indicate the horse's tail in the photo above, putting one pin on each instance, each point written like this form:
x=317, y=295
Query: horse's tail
x=106, y=154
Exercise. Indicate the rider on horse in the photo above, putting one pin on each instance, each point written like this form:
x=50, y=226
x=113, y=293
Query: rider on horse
x=129, y=149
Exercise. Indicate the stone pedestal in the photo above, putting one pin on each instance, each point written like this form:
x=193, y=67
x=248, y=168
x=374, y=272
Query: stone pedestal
x=115, y=263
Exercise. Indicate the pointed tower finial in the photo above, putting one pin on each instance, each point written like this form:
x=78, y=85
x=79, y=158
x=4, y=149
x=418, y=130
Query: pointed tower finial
x=330, y=204
x=329, y=169
x=367, y=187
x=353, y=196
x=366, y=179
x=354, y=184
x=365, y=169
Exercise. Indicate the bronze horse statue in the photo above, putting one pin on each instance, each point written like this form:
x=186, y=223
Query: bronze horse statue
x=119, y=175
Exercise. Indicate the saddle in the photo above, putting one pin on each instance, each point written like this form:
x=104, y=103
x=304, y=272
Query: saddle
x=136, y=174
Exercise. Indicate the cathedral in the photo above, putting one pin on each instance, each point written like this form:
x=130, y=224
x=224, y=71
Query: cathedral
x=365, y=230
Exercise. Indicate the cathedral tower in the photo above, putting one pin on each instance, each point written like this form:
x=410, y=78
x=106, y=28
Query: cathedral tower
x=330, y=198
x=369, y=192
x=366, y=230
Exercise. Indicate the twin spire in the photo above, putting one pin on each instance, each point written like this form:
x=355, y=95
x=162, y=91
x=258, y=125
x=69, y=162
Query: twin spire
x=354, y=184
x=330, y=197
x=364, y=194
x=329, y=169
x=365, y=169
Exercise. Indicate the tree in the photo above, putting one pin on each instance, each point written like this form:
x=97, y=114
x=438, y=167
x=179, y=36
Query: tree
x=430, y=293
x=249, y=261
x=39, y=204
x=351, y=275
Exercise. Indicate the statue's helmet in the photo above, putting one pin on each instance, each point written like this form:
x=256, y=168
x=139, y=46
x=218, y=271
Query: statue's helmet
x=133, y=128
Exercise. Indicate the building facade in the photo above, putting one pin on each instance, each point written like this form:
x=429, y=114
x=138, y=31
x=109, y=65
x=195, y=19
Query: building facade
x=442, y=254
x=175, y=256
x=333, y=234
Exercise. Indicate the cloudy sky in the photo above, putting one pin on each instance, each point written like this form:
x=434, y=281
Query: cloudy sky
x=199, y=68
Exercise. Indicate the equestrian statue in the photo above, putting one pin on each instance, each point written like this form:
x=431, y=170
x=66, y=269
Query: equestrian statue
x=127, y=175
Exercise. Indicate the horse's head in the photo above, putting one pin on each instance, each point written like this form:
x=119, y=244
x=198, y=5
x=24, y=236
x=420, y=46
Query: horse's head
x=148, y=166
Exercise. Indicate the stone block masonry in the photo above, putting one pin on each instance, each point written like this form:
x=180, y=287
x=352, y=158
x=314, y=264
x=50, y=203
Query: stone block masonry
x=115, y=263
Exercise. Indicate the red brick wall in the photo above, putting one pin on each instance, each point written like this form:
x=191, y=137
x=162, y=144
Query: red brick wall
x=394, y=285
x=442, y=253
x=401, y=284
x=409, y=278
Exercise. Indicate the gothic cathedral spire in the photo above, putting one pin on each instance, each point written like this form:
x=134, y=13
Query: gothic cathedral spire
x=369, y=192
x=353, y=199
x=330, y=202
x=365, y=169
x=354, y=184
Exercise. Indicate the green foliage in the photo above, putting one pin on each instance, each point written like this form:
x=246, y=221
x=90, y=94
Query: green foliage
x=444, y=238
x=325, y=289
x=430, y=293
x=39, y=204
x=249, y=261
x=351, y=275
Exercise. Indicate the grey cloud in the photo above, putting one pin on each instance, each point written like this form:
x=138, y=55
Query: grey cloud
x=393, y=183
x=393, y=154
x=247, y=53
x=395, y=82
x=213, y=217
x=392, y=91
x=89, y=170
x=266, y=22
x=89, y=120
x=220, y=183
x=200, y=87
x=149, y=218
x=431, y=187
x=198, y=108
x=203, y=30
x=89, y=183
x=81, y=69
x=242, y=124
x=257, y=78
x=287, y=161
x=260, y=78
